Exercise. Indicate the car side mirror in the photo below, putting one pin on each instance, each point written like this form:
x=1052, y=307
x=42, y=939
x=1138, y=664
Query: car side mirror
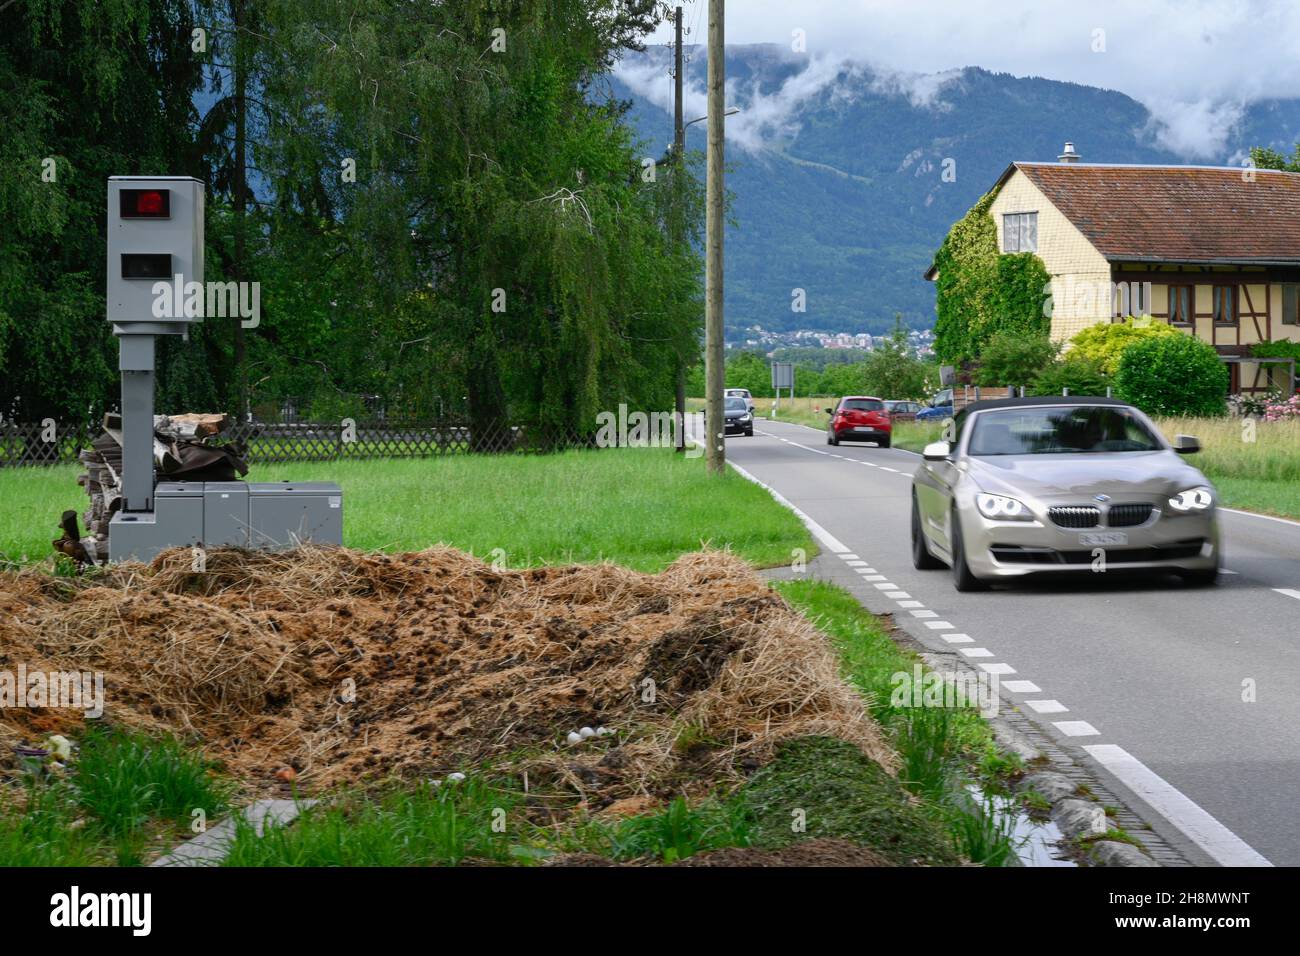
x=830, y=411
x=937, y=451
x=1186, y=444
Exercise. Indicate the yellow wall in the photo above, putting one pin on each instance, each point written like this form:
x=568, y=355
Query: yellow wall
x=1080, y=274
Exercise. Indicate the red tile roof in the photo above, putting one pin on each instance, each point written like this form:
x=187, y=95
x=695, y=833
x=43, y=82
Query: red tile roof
x=1176, y=213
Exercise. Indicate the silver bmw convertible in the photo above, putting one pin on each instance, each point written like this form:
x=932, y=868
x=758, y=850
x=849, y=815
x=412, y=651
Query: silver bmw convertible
x=1050, y=485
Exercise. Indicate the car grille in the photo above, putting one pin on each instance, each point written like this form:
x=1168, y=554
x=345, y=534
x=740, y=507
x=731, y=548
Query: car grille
x=1176, y=551
x=1126, y=516
x=1075, y=516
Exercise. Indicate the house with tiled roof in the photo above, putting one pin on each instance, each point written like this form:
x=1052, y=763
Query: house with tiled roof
x=1214, y=251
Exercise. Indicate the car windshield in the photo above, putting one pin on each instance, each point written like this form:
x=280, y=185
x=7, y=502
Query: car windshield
x=1086, y=429
x=862, y=405
x=734, y=404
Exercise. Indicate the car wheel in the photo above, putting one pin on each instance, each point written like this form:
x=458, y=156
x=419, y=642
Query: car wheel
x=884, y=442
x=749, y=433
x=1200, y=579
x=963, y=579
x=831, y=439
x=922, y=559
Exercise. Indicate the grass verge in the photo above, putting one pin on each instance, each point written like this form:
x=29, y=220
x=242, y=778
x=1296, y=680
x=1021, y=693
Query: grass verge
x=120, y=796
x=640, y=507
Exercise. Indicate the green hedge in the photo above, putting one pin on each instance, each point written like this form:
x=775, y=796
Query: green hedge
x=1173, y=375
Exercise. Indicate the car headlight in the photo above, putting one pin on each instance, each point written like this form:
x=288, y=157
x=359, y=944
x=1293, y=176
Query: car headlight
x=745, y=417
x=1002, y=508
x=1193, y=499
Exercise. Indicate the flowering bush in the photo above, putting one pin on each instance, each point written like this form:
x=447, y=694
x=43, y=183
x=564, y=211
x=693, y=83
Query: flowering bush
x=1283, y=411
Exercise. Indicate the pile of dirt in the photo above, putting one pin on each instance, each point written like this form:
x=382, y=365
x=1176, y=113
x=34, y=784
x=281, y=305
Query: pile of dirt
x=348, y=665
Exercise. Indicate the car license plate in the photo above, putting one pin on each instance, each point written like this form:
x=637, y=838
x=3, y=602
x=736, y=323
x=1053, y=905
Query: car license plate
x=1104, y=539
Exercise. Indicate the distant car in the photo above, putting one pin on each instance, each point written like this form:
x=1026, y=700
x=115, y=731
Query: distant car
x=740, y=393
x=738, y=416
x=901, y=411
x=859, y=418
x=1052, y=485
x=940, y=407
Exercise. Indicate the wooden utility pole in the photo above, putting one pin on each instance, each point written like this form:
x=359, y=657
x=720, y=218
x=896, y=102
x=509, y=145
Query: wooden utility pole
x=679, y=163
x=714, y=379
x=240, y=160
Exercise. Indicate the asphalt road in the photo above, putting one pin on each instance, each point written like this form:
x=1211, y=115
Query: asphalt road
x=1142, y=679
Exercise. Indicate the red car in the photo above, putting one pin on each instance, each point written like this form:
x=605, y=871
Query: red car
x=859, y=418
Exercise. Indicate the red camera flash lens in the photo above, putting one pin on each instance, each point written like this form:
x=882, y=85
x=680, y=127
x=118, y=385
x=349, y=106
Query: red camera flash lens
x=146, y=204
x=149, y=203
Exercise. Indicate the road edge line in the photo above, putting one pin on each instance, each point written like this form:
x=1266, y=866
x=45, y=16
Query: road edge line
x=1197, y=824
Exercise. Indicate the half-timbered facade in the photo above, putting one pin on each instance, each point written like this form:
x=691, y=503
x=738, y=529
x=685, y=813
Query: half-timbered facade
x=1213, y=251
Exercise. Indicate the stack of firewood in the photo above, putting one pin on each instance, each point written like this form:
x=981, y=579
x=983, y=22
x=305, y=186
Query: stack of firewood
x=183, y=447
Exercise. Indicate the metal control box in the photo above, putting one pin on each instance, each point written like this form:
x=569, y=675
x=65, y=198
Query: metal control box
x=212, y=514
x=155, y=233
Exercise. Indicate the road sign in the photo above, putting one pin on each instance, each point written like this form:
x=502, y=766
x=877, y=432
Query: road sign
x=782, y=375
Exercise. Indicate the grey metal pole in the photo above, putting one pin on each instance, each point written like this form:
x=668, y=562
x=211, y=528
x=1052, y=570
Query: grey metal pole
x=136, y=362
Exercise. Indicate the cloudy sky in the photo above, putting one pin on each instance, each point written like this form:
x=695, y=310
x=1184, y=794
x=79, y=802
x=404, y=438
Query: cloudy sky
x=1193, y=63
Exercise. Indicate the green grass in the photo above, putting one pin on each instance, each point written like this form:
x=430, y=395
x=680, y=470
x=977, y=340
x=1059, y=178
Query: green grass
x=121, y=794
x=834, y=791
x=417, y=826
x=941, y=749
x=679, y=831
x=639, y=507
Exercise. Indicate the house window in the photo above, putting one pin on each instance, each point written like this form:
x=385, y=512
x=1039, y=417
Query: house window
x=1225, y=305
x=1181, y=298
x=1020, y=232
x=1290, y=303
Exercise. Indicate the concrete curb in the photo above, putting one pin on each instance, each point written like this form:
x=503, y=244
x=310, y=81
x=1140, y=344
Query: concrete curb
x=210, y=848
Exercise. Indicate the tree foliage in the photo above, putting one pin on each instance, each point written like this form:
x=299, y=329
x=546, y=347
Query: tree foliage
x=1106, y=342
x=981, y=291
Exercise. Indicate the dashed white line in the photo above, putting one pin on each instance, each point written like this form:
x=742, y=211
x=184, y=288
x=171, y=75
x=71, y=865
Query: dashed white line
x=924, y=613
x=975, y=651
x=897, y=594
x=910, y=604
x=1021, y=686
x=958, y=638
x=1047, y=706
x=1076, y=728
x=938, y=625
x=998, y=669
x=874, y=577
x=886, y=586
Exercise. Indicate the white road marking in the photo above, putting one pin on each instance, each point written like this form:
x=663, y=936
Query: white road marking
x=1076, y=728
x=1224, y=846
x=998, y=669
x=894, y=470
x=975, y=651
x=1047, y=706
x=910, y=604
x=831, y=542
x=1289, y=592
x=1021, y=686
x=938, y=625
x=1254, y=514
x=849, y=557
x=866, y=571
x=958, y=638
x=897, y=594
x=925, y=614
x=854, y=564
x=874, y=577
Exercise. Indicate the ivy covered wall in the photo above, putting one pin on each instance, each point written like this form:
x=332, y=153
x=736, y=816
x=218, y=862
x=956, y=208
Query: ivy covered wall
x=980, y=291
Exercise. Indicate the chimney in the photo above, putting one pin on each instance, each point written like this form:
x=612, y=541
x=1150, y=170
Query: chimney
x=1069, y=155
